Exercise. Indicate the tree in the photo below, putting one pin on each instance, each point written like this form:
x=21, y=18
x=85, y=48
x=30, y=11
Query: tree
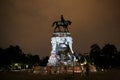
x=44, y=61
x=35, y=59
x=109, y=51
x=14, y=53
x=95, y=53
x=1, y=57
x=117, y=59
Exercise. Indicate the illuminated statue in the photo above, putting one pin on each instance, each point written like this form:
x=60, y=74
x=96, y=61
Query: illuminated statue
x=62, y=52
x=62, y=23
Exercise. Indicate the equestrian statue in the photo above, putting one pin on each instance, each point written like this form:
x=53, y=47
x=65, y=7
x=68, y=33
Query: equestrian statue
x=62, y=23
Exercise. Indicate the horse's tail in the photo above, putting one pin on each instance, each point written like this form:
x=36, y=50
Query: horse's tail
x=53, y=24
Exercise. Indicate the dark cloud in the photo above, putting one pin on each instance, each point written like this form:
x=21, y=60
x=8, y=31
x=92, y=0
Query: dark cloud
x=28, y=23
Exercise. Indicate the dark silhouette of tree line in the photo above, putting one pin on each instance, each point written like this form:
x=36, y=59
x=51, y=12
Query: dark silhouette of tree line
x=106, y=57
x=14, y=54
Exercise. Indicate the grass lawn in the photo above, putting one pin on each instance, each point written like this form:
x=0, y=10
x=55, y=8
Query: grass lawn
x=113, y=74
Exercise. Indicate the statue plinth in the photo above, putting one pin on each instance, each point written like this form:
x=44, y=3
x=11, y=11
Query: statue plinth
x=61, y=48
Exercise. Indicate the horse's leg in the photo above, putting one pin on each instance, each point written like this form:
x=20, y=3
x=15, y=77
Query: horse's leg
x=64, y=28
x=59, y=28
x=55, y=29
x=67, y=29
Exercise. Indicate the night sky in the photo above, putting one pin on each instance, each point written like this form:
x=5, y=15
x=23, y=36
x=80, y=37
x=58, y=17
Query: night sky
x=27, y=23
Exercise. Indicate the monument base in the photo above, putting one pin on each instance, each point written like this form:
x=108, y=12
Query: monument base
x=62, y=52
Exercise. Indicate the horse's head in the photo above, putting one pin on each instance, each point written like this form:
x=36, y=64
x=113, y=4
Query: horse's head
x=69, y=22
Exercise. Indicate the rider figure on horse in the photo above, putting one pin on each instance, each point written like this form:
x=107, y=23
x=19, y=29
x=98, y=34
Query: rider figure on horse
x=62, y=23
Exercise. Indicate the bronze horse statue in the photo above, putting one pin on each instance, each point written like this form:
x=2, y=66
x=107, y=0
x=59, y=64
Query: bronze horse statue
x=62, y=23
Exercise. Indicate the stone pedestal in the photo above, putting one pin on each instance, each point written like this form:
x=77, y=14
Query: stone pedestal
x=62, y=51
